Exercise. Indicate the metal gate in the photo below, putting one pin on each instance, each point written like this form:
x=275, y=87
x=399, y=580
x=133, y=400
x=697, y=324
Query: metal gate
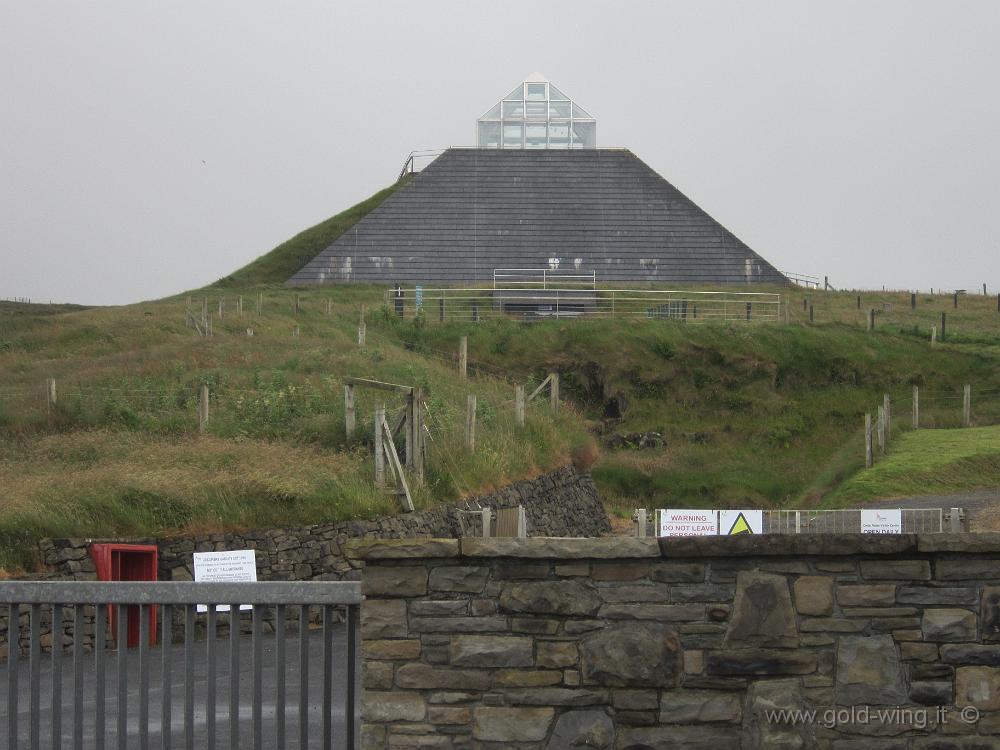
x=170, y=696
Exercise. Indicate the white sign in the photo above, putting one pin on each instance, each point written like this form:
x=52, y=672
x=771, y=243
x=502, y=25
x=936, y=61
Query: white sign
x=733, y=522
x=882, y=521
x=686, y=522
x=234, y=566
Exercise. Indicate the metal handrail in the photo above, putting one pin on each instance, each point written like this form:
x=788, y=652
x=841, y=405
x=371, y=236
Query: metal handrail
x=409, y=164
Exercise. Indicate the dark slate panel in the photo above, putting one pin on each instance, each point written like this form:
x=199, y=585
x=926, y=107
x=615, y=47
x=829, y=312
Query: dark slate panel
x=471, y=211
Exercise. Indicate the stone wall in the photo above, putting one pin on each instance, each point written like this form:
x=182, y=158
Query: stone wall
x=894, y=642
x=561, y=503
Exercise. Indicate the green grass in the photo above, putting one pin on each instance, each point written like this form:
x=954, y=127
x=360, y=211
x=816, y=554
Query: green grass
x=282, y=262
x=924, y=462
x=764, y=415
x=753, y=415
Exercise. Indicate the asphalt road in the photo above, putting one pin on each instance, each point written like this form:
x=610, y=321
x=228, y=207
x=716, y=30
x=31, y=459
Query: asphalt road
x=222, y=732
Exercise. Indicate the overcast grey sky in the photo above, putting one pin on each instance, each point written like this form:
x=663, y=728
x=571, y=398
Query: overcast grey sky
x=148, y=148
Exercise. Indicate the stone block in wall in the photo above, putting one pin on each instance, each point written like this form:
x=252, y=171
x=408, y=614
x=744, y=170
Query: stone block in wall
x=556, y=654
x=970, y=653
x=990, y=613
x=758, y=661
x=948, y=625
x=762, y=612
x=708, y=737
x=395, y=581
x=562, y=597
x=967, y=569
x=869, y=671
x=466, y=579
x=505, y=724
x=896, y=570
x=813, y=595
x=866, y=595
x=760, y=733
x=386, y=705
x=591, y=729
x=418, y=676
x=696, y=706
x=633, y=654
x=978, y=687
x=491, y=651
x=384, y=618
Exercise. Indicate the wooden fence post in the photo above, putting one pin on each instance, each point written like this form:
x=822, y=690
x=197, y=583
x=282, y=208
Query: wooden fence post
x=203, y=409
x=967, y=407
x=943, y=319
x=260, y=302
x=379, y=448
x=880, y=430
x=349, y=415
x=640, y=522
x=50, y=393
x=519, y=404
x=869, y=457
x=239, y=305
x=956, y=300
x=871, y=319
x=222, y=307
x=859, y=301
x=916, y=407
x=554, y=392
x=417, y=442
x=933, y=335
x=296, y=304
x=463, y=357
x=361, y=326
x=913, y=300
x=470, y=423
x=887, y=410
x=204, y=312
x=441, y=310
x=810, y=313
x=487, y=515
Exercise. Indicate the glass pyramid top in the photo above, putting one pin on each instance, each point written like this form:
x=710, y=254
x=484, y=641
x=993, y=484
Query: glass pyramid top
x=536, y=115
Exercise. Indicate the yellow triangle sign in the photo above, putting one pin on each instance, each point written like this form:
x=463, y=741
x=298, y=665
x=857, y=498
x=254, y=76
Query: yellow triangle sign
x=740, y=526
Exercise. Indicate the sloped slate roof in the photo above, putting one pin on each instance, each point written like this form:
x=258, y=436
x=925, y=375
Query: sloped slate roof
x=472, y=210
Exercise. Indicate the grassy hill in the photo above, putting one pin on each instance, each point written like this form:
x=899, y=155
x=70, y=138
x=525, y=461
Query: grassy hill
x=761, y=414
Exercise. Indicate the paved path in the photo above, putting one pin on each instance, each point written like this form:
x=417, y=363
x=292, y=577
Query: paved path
x=982, y=508
x=245, y=740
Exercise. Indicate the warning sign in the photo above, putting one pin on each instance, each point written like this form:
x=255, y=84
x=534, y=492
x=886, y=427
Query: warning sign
x=732, y=522
x=232, y=566
x=686, y=522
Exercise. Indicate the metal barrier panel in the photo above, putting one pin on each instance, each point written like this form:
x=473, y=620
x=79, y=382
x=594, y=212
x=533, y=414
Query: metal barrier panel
x=172, y=699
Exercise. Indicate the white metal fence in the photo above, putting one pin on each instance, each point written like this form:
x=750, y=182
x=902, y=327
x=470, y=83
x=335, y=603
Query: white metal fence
x=834, y=521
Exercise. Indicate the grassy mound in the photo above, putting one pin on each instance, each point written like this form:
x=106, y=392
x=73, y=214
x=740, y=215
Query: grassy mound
x=277, y=266
x=929, y=461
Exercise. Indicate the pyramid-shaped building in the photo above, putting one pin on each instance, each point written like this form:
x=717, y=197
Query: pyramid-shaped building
x=537, y=193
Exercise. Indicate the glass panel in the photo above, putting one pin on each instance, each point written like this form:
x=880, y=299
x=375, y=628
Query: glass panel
x=584, y=134
x=557, y=95
x=534, y=135
x=537, y=110
x=513, y=109
x=558, y=135
x=559, y=109
x=512, y=132
x=581, y=113
x=489, y=135
x=493, y=114
x=514, y=95
x=536, y=92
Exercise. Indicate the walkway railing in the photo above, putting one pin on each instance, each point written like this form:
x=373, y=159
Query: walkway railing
x=76, y=615
x=475, y=304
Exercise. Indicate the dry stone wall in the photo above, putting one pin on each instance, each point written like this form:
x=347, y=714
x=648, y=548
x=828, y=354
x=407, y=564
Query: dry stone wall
x=561, y=503
x=885, y=642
